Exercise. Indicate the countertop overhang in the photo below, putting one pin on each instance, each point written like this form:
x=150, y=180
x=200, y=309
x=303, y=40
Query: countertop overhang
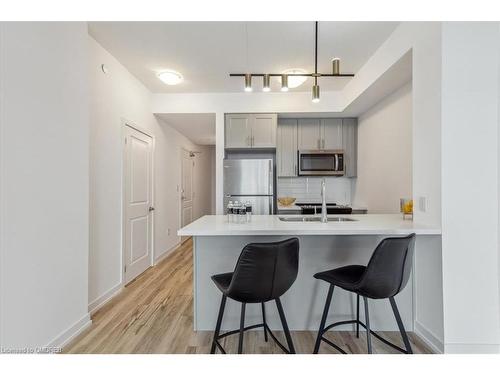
x=270, y=225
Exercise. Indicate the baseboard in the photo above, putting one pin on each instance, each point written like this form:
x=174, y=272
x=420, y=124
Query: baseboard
x=71, y=333
x=168, y=252
x=429, y=338
x=459, y=348
x=105, y=298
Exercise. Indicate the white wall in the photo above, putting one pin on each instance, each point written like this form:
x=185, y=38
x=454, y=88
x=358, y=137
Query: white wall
x=44, y=186
x=470, y=156
x=117, y=97
x=385, y=154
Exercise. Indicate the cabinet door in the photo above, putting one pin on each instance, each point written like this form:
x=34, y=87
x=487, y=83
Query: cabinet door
x=309, y=135
x=264, y=130
x=238, y=131
x=331, y=134
x=350, y=146
x=286, y=148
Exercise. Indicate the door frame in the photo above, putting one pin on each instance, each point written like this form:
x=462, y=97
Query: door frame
x=183, y=149
x=124, y=125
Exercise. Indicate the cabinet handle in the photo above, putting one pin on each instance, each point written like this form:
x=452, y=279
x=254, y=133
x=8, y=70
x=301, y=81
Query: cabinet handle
x=253, y=141
x=323, y=142
x=295, y=169
x=319, y=143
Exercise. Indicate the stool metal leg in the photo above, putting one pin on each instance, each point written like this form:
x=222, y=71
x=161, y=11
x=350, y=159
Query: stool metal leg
x=242, y=328
x=264, y=321
x=219, y=322
x=368, y=335
x=357, y=316
x=289, y=341
x=323, y=319
x=400, y=325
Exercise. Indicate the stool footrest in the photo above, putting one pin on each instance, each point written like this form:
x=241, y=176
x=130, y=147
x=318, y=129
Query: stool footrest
x=266, y=328
x=364, y=326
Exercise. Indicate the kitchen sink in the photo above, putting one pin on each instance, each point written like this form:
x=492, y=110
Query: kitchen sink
x=313, y=219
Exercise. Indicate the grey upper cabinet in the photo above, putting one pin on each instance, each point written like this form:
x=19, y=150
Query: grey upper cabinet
x=250, y=130
x=286, y=148
x=331, y=134
x=264, y=130
x=309, y=134
x=238, y=131
x=350, y=146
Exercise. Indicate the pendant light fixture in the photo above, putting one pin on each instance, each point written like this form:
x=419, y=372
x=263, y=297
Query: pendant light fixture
x=315, y=88
x=248, y=77
x=284, y=82
x=266, y=83
x=284, y=77
x=248, y=82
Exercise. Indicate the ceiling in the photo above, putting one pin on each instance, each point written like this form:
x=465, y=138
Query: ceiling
x=198, y=127
x=206, y=52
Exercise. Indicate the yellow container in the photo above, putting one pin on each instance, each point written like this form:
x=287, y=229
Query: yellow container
x=406, y=207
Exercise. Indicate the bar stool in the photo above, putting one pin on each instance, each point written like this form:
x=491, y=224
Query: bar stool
x=385, y=276
x=264, y=272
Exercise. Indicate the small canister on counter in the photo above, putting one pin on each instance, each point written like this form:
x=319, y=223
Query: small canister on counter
x=406, y=208
x=248, y=210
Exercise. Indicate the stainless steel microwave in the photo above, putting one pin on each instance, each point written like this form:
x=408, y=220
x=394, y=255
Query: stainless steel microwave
x=321, y=163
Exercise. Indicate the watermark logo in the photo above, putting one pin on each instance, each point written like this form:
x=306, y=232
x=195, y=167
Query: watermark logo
x=30, y=350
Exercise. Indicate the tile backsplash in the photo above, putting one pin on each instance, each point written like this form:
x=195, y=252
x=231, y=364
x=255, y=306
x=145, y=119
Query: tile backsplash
x=308, y=189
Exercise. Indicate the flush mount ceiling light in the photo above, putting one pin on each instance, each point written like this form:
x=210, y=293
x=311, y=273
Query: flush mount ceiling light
x=293, y=80
x=290, y=79
x=170, y=77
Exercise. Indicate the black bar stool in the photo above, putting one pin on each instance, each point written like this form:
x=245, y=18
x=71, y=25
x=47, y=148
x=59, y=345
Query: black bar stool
x=385, y=276
x=264, y=272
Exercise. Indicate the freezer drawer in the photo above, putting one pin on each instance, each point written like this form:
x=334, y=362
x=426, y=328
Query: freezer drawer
x=261, y=205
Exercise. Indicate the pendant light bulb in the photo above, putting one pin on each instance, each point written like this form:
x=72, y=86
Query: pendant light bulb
x=315, y=94
x=267, y=83
x=284, y=82
x=248, y=82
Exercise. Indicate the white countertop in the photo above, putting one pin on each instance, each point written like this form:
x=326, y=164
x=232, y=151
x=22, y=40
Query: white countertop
x=267, y=225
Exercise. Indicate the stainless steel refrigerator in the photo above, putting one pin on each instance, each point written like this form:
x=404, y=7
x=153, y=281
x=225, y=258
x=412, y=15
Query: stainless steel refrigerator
x=250, y=180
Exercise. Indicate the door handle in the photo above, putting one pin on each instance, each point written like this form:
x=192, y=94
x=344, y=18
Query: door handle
x=151, y=209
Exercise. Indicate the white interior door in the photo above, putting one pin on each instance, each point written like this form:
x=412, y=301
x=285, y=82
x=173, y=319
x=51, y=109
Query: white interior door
x=138, y=203
x=187, y=193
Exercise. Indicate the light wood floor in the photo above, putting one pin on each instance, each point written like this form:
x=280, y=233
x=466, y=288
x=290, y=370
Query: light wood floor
x=153, y=314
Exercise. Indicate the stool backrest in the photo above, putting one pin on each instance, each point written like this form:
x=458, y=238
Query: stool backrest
x=265, y=271
x=389, y=268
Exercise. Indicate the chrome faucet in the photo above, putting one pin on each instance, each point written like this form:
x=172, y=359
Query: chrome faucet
x=324, y=217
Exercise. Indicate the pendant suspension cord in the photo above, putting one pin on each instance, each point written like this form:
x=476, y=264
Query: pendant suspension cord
x=316, y=53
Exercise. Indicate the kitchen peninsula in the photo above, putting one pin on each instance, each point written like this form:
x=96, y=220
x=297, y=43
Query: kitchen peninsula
x=217, y=245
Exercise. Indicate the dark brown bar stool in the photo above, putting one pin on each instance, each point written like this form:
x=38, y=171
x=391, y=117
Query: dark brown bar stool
x=386, y=274
x=264, y=272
